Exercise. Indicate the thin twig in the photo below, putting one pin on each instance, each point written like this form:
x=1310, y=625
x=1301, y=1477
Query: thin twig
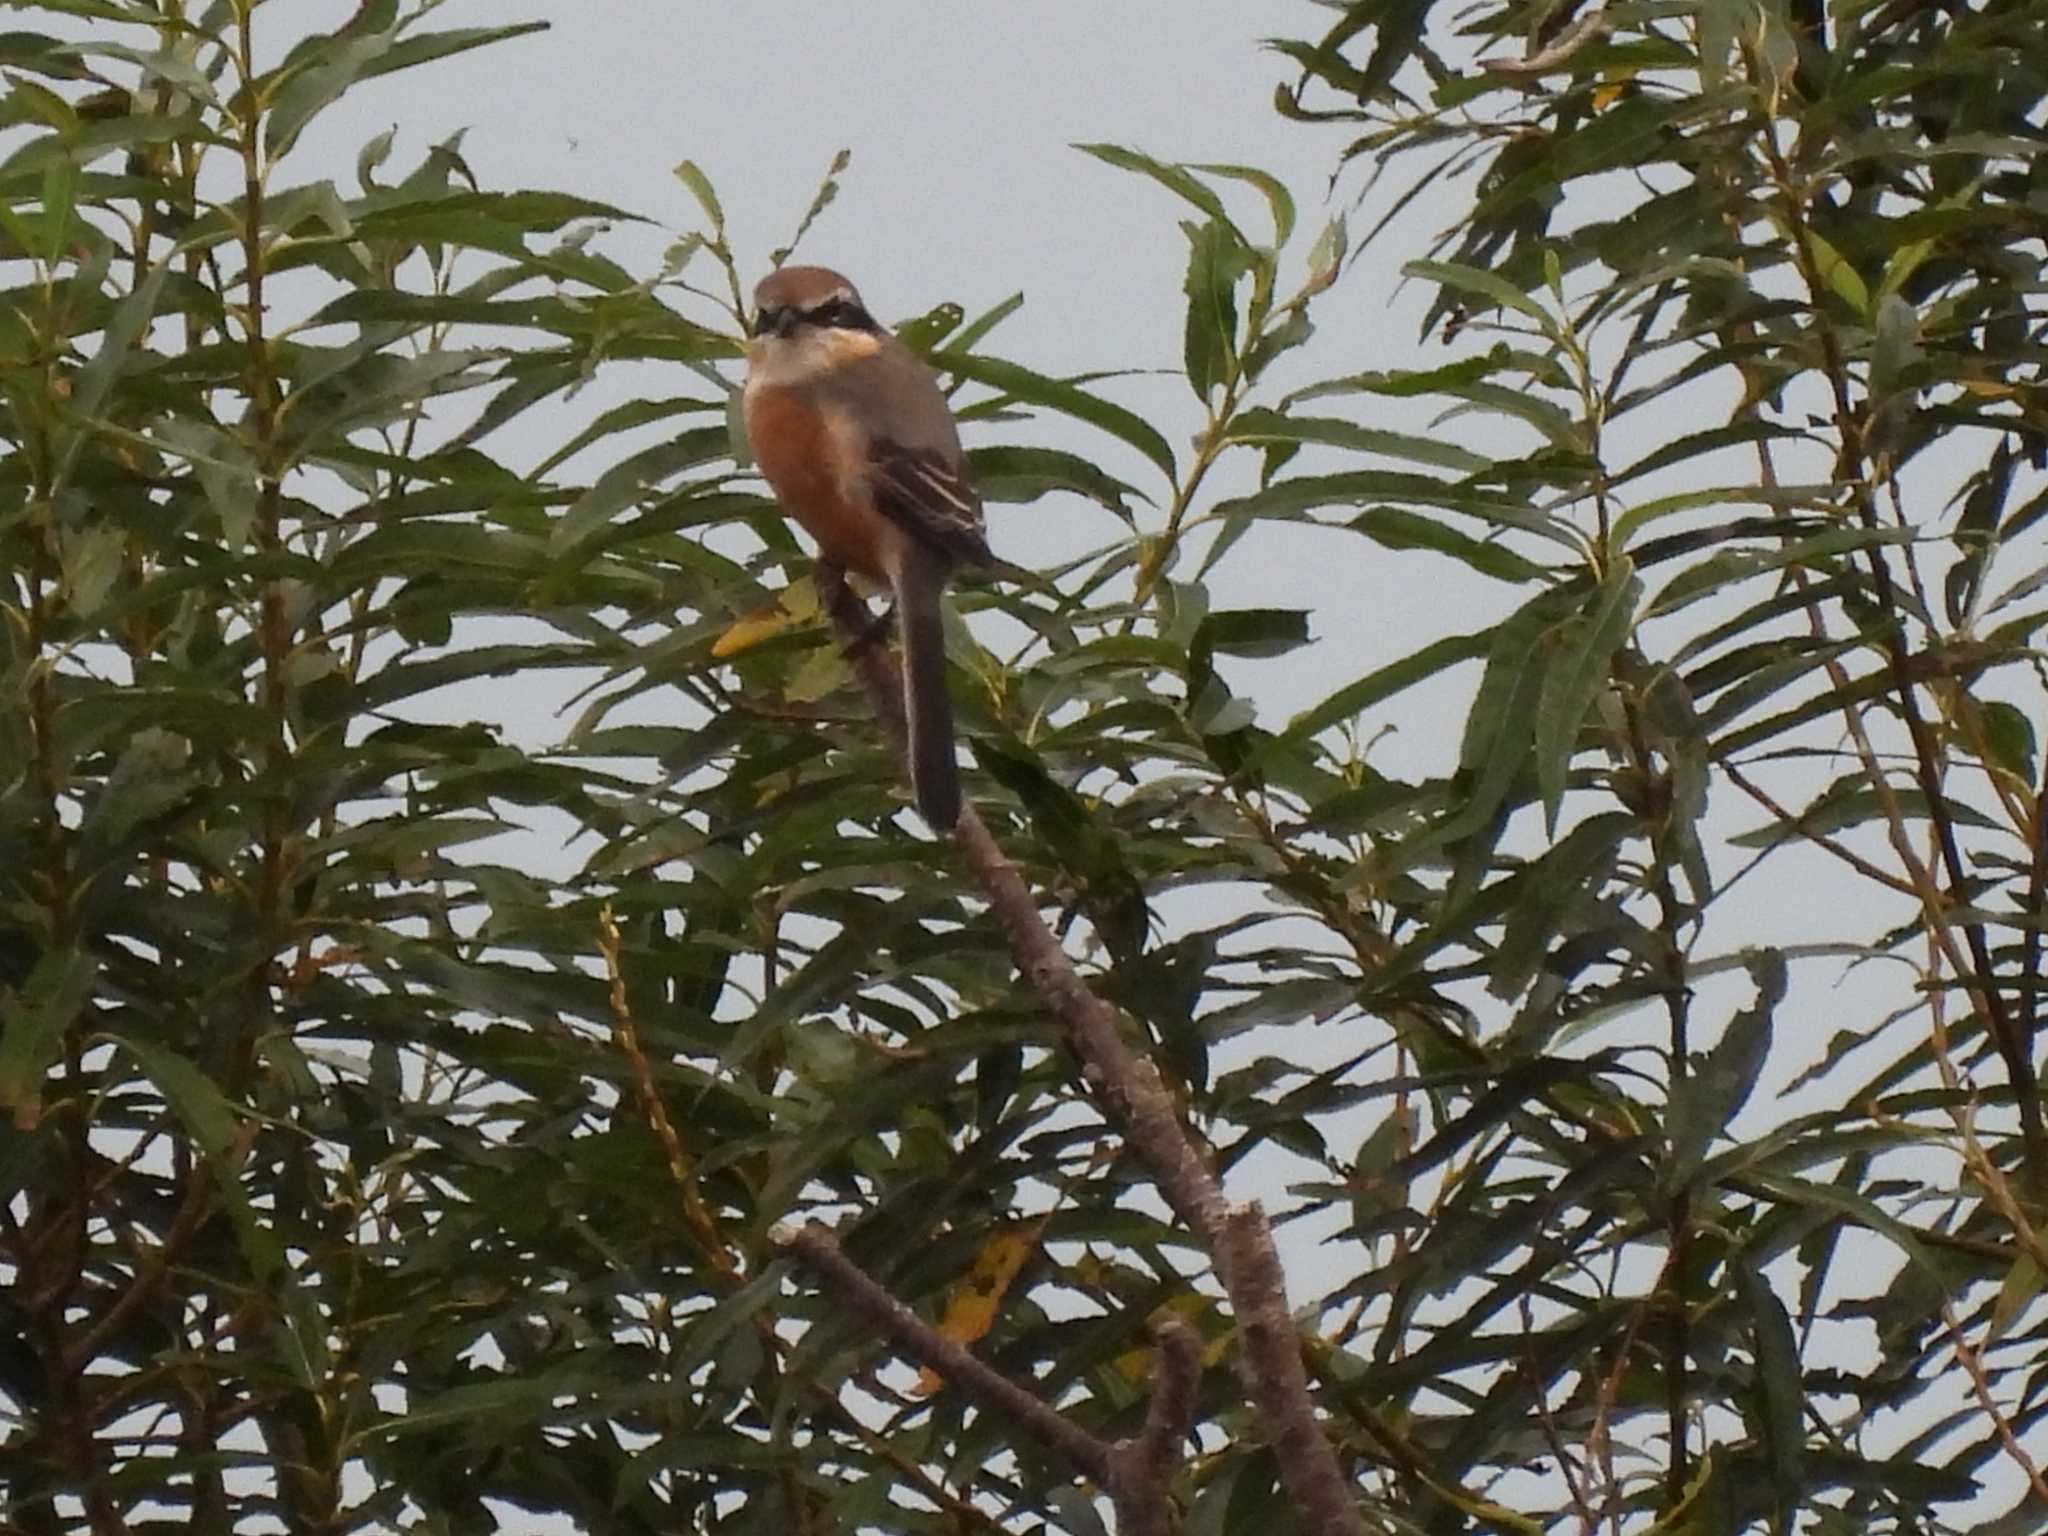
x=1854, y=468
x=818, y=1250
x=1798, y=823
x=1239, y=1241
x=2001, y=1426
x=1567, y=1469
x=703, y=1225
x=150, y=1273
x=1140, y=1467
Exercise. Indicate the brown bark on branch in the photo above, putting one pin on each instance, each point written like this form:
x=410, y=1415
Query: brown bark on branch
x=1239, y=1241
x=1139, y=1468
x=818, y=1250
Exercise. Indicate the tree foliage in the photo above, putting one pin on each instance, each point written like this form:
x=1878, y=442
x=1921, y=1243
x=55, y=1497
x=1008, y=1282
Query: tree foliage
x=366, y=1168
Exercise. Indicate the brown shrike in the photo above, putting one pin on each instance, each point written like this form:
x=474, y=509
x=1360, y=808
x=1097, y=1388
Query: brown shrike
x=852, y=433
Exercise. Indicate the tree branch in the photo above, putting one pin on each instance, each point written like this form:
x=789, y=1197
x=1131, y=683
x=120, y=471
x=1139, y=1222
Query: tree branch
x=818, y=1250
x=1239, y=1241
x=1139, y=1467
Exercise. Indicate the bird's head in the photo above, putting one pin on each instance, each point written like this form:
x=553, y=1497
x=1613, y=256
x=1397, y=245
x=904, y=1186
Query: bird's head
x=807, y=320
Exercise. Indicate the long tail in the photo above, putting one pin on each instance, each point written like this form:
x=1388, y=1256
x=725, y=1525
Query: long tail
x=927, y=706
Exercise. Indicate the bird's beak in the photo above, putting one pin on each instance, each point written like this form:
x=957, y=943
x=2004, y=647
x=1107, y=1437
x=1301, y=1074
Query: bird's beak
x=772, y=323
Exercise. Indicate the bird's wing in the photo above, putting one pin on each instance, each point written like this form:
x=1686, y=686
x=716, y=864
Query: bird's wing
x=928, y=492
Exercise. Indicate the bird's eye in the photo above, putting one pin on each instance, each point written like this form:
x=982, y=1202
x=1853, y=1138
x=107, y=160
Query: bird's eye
x=846, y=314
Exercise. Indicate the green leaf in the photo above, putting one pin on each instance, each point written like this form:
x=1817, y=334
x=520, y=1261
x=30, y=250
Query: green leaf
x=688, y=173
x=1297, y=494
x=215, y=1124
x=626, y=482
x=1851, y=802
x=1260, y=426
x=60, y=195
x=1263, y=632
x=1496, y=290
x=129, y=321
x=91, y=560
x=33, y=1022
x=507, y=1401
x=1578, y=673
x=1326, y=256
x=1835, y=270
x=1217, y=262
x=1780, y=1385
x=1396, y=528
x=2016, y=1293
x=1547, y=896
x=2009, y=739
x=1279, y=1003
x=311, y=89
x=1714, y=1089
x=1174, y=178
x=1278, y=200
x=1019, y=383
x=1376, y=687
x=1015, y=473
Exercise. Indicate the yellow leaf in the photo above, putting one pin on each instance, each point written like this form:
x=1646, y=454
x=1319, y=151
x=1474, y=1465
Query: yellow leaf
x=796, y=605
x=978, y=1295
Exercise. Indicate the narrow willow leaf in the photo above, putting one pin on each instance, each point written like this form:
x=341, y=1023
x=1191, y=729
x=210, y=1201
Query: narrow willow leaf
x=1577, y=674
x=129, y=321
x=1292, y=496
x=1851, y=802
x=2022, y=1284
x=1694, y=444
x=1348, y=702
x=699, y=185
x=216, y=1125
x=624, y=483
x=1780, y=1385
x=2009, y=739
x=1217, y=262
x=310, y=90
x=1019, y=383
x=1326, y=256
x=1496, y=290
x=1396, y=528
x=1838, y=273
x=1016, y=473
x=1279, y=202
x=33, y=1022
x=1260, y=426
x=971, y=334
x=1281, y=1002
x=1174, y=178
x=1548, y=894
x=91, y=560
x=1715, y=1088
x=407, y=52
x=1263, y=632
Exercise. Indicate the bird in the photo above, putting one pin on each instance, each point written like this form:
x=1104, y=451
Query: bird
x=853, y=434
